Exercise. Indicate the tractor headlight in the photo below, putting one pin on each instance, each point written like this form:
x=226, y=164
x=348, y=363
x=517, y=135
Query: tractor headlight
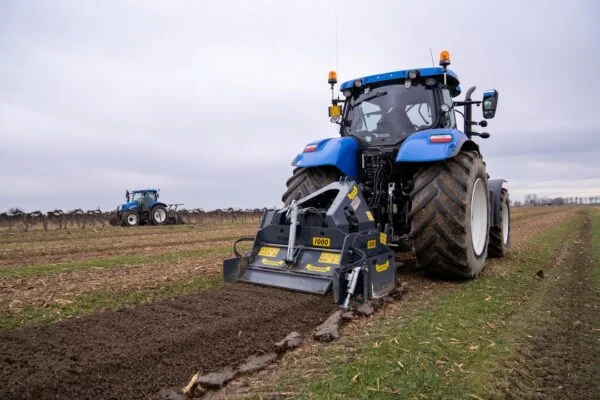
x=357, y=83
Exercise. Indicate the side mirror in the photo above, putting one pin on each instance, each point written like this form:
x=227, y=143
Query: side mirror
x=127, y=195
x=490, y=102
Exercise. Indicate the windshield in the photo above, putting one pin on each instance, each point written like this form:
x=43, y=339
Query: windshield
x=388, y=114
x=137, y=196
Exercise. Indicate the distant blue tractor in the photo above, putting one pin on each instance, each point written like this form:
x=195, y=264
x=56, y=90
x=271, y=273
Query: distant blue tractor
x=401, y=177
x=142, y=207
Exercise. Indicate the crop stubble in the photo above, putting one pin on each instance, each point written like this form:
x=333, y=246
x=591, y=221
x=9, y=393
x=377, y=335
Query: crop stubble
x=136, y=352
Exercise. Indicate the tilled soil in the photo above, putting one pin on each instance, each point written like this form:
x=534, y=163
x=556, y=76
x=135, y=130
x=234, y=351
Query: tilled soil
x=134, y=353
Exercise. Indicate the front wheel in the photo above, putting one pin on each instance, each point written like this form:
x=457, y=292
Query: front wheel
x=158, y=215
x=500, y=235
x=305, y=181
x=130, y=219
x=450, y=216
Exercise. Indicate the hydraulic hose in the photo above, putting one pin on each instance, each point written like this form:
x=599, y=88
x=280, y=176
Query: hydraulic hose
x=243, y=239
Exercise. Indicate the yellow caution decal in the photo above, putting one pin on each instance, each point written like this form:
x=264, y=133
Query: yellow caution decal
x=268, y=251
x=330, y=258
x=383, y=238
x=353, y=193
x=382, y=267
x=370, y=216
x=371, y=244
x=273, y=263
x=317, y=268
x=321, y=241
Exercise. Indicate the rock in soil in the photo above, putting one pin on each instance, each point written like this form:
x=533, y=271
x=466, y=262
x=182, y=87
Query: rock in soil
x=215, y=380
x=365, y=309
x=256, y=362
x=291, y=341
x=329, y=330
x=347, y=315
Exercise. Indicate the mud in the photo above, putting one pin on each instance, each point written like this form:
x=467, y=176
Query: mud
x=134, y=353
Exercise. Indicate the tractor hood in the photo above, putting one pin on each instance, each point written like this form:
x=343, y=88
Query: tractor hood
x=128, y=206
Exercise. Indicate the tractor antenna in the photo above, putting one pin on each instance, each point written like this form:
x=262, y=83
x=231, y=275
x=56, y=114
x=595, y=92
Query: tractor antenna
x=337, y=63
x=431, y=54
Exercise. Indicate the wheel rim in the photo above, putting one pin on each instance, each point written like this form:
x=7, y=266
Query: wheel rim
x=132, y=219
x=479, y=214
x=505, y=223
x=160, y=215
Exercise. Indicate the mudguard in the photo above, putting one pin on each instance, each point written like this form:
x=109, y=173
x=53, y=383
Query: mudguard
x=495, y=188
x=337, y=152
x=157, y=203
x=418, y=147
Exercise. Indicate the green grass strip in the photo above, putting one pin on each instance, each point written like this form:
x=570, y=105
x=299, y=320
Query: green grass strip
x=106, y=300
x=110, y=262
x=596, y=244
x=450, y=349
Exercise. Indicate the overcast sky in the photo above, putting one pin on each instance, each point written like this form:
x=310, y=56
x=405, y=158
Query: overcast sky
x=210, y=101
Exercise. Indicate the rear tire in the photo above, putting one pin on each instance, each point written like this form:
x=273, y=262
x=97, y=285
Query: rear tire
x=130, y=219
x=500, y=235
x=158, y=215
x=305, y=181
x=450, y=216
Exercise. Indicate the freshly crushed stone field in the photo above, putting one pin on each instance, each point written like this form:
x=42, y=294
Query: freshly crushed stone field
x=140, y=351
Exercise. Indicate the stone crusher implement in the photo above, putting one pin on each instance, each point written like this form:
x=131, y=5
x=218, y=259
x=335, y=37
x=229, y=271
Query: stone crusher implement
x=326, y=241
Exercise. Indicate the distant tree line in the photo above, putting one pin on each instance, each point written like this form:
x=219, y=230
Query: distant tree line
x=535, y=200
x=17, y=218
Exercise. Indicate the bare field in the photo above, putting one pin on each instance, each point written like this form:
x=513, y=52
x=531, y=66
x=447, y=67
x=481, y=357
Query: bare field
x=126, y=313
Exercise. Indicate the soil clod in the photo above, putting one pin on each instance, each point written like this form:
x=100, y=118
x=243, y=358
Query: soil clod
x=216, y=380
x=365, y=309
x=257, y=362
x=329, y=330
x=291, y=341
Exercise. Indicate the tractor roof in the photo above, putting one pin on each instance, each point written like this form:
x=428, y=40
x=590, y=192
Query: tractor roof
x=434, y=72
x=144, y=190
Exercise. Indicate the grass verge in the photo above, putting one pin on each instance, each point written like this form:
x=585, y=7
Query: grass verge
x=112, y=262
x=448, y=349
x=106, y=300
x=596, y=245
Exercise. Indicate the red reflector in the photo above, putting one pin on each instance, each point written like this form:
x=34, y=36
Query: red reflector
x=310, y=148
x=440, y=138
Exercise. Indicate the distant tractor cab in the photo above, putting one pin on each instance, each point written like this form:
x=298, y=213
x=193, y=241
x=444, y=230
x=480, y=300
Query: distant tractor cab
x=142, y=207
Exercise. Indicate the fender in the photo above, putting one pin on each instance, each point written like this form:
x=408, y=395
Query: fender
x=495, y=188
x=157, y=203
x=419, y=148
x=337, y=152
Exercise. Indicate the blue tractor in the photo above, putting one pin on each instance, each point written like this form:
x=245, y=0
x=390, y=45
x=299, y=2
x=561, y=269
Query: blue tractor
x=142, y=207
x=401, y=177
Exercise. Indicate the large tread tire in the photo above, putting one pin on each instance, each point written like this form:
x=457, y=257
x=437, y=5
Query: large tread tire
x=158, y=215
x=305, y=181
x=500, y=235
x=441, y=219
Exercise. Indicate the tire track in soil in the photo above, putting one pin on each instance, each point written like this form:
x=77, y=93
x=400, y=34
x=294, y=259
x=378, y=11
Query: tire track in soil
x=560, y=356
x=134, y=353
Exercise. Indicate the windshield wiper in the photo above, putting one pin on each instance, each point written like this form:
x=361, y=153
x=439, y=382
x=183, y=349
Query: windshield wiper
x=370, y=97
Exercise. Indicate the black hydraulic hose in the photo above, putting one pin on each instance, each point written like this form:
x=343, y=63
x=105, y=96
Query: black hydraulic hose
x=243, y=239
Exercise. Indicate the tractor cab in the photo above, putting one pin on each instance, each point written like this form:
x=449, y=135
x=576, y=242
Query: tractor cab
x=384, y=109
x=144, y=197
